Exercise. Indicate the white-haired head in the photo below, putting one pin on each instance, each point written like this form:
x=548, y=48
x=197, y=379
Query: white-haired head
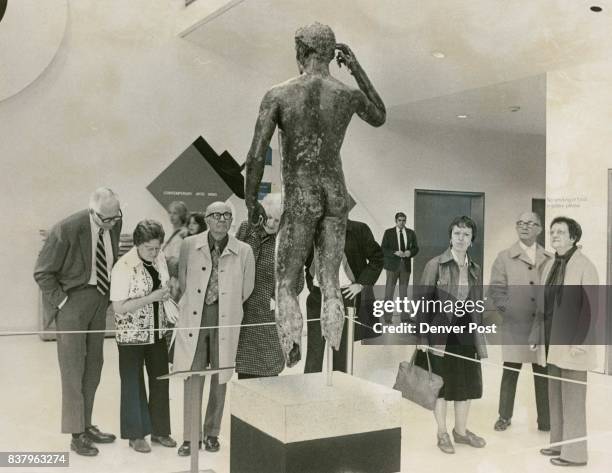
x=273, y=205
x=104, y=206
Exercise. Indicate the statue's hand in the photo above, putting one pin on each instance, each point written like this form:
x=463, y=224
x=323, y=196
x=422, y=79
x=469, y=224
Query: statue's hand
x=345, y=56
x=257, y=214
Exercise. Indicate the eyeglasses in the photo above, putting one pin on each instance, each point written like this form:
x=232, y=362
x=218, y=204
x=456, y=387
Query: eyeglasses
x=521, y=223
x=103, y=219
x=218, y=215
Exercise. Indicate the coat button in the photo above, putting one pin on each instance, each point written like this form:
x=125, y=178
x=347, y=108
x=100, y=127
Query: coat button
x=195, y=312
x=530, y=268
x=191, y=334
x=533, y=299
x=203, y=268
x=533, y=315
x=531, y=282
x=199, y=291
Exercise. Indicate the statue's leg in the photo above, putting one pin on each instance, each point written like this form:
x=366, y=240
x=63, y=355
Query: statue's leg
x=293, y=244
x=329, y=243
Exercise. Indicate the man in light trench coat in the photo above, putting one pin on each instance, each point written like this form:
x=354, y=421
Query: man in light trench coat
x=515, y=277
x=216, y=275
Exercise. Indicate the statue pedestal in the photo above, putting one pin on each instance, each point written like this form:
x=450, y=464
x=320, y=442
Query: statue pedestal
x=296, y=423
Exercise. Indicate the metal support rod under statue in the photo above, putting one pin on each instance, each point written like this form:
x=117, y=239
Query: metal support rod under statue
x=330, y=363
x=350, y=338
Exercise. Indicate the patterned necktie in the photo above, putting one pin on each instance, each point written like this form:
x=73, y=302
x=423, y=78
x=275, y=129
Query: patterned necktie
x=101, y=269
x=212, y=291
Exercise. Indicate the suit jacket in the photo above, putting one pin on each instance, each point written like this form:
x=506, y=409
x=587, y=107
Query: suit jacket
x=514, y=290
x=390, y=245
x=365, y=258
x=64, y=262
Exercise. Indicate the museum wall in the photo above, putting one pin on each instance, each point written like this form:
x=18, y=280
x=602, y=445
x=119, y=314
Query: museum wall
x=124, y=96
x=395, y=160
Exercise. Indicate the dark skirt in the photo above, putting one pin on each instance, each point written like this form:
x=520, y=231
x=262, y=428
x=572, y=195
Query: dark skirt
x=462, y=378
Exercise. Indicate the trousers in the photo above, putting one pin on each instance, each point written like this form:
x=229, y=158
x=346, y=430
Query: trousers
x=206, y=355
x=403, y=275
x=568, y=412
x=507, y=393
x=80, y=355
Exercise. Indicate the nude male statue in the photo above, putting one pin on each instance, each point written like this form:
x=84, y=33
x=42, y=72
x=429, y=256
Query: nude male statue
x=312, y=112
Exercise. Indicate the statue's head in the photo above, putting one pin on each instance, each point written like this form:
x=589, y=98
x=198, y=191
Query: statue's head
x=315, y=39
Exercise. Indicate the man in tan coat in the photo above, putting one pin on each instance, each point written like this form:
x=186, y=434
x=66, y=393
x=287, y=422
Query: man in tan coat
x=216, y=275
x=515, y=277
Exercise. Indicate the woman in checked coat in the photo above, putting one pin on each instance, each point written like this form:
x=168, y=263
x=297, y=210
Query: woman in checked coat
x=259, y=351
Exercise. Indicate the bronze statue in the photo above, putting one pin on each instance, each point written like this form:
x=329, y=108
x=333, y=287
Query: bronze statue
x=312, y=112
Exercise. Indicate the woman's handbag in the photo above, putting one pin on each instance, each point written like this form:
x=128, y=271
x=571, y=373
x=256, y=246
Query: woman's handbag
x=418, y=385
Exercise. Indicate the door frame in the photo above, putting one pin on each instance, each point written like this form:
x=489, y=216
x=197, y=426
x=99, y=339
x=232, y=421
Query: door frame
x=608, y=355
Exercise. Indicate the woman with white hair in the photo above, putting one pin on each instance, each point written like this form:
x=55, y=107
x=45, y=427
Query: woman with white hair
x=259, y=351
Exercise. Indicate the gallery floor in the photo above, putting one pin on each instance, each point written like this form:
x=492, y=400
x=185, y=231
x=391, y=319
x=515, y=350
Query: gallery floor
x=30, y=417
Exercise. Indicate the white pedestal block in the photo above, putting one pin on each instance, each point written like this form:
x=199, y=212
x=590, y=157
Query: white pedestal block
x=297, y=423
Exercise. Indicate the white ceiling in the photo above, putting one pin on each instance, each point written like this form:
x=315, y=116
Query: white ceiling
x=486, y=42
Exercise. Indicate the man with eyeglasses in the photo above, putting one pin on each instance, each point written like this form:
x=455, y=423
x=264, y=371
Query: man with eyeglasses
x=399, y=245
x=216, y=275
x=514, y=279
x=73, y=271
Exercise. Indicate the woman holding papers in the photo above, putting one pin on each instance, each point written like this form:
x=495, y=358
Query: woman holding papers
x=139, y=292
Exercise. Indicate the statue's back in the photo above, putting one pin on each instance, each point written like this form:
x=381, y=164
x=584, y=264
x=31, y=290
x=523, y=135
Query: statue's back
x=314, y=114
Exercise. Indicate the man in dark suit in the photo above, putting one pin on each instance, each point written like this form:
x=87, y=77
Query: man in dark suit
x=362, y=263
x=73, y=271
x=399, y=246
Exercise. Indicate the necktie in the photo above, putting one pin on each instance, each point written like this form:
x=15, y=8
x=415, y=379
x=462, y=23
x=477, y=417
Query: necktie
x=102, y=283
x=212, y=291
x=402, y=241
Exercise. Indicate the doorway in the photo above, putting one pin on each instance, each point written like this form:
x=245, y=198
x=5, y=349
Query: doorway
x=433, y=212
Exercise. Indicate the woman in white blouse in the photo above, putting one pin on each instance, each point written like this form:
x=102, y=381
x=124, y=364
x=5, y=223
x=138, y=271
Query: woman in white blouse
x=139, y=291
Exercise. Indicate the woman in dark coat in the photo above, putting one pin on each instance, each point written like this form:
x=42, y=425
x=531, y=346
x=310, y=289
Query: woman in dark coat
x=259, y=352
x=453, y=276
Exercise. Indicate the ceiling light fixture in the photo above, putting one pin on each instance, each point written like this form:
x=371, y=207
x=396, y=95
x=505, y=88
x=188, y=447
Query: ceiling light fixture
x=596, y=9
x=514, y=108
x=462, y=116
x=438, y=54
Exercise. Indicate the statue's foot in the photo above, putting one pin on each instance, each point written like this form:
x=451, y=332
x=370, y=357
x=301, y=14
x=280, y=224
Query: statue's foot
x=294, y=356
x=332, y=321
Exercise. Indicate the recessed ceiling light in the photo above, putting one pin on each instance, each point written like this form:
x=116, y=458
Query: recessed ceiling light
x=596, y=9
x=438, y=54
x=462, y=116
x=514, y=108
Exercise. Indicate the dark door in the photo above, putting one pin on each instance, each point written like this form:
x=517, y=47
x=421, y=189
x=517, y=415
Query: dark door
x=538, y=206
x=433, y=212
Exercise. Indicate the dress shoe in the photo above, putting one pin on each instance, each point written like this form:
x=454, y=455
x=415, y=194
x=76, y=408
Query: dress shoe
x=469, y=438
x=185, y=449
x=502, y=424
x=140, y=445
x=82, y=446
x=165, y=441
x=211, y=444
x=550, y=452
x=558, y=461
x=445, y=444
x=94, y=434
